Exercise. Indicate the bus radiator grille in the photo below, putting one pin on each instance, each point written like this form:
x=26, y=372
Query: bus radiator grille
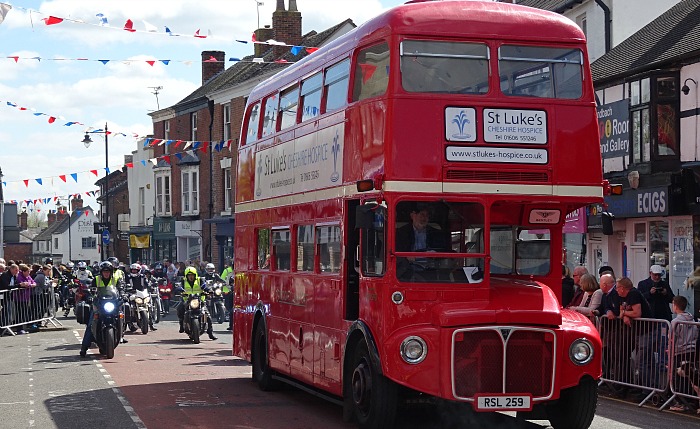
x=482, y=357
x=497, y=176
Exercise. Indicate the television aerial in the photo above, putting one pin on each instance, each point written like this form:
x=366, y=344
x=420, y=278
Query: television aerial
x=155, y=92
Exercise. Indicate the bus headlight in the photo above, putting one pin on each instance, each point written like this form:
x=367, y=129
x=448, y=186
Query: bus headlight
x=581, y=351
x=413, y=350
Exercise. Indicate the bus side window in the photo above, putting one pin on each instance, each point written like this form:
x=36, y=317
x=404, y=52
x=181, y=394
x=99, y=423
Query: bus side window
x=270, y=118
x=263, y=239
x=371, y=72
x=305, y=248
x=336, y=86
x=281, y=247
x=289, y=100
x=253, y=124
x=328, y=241
x=310, y=102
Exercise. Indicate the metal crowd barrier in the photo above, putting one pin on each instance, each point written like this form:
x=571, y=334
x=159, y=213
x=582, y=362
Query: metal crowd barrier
x=635, y=356
x=684, y=376
x=20, y=308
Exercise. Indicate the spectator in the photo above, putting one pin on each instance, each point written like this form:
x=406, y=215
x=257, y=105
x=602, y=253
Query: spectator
x=658, y=293
x=2, y=267
x=578, y=292
x=8, y=281
x=684, y=336
x=22, y=298
x=40, y=293
x=567, y=286
x=605, y=269
x=592, y=296
x=170, y=270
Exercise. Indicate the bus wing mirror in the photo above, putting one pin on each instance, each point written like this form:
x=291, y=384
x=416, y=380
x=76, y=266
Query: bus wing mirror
x=364, y=217
x=607, y=220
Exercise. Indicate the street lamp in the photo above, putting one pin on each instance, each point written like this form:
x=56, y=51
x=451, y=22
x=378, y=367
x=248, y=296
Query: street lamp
x=105, y=215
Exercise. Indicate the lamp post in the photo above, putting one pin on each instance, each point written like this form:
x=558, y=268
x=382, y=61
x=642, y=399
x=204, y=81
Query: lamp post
x=105, y=215
x=2, y=219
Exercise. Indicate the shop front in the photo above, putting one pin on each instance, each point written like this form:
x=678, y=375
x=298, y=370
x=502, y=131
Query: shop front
x=188, y=234
x=164, y=243
x=140, y=245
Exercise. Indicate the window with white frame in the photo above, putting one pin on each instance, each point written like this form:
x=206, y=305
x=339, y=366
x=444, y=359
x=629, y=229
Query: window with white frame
x=227, y=189
x=89, y=242
x=142, y=206
x=190, y=190
x=194, y=126
x=227, y=122
x=163, y=194
x=166, y=135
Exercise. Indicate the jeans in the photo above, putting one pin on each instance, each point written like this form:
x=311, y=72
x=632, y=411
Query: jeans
x=88, y=338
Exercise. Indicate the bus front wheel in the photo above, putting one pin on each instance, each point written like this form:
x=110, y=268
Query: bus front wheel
x=373, y=397
x=576, y=406
x=262, y=374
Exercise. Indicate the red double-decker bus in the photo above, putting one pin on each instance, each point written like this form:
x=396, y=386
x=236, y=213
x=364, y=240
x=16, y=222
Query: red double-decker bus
x=400, y=198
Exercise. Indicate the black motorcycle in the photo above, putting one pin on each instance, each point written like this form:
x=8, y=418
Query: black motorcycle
x=216, y=301
x=107, y=326
x=196, y=316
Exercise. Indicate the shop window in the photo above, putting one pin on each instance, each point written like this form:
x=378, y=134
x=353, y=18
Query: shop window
x=640, y=233
x=658, y=243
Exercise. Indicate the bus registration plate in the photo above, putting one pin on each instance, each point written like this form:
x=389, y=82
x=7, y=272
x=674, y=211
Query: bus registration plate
x=504, y=403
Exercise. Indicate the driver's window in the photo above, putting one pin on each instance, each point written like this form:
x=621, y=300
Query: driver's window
x=518, y=250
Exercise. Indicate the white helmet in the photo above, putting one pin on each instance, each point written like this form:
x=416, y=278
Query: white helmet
x=210, y=268
x=82, y=265
x=135, y=269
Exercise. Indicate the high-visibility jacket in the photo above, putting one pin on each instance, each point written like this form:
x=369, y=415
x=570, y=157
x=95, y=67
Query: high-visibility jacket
x=190, y=288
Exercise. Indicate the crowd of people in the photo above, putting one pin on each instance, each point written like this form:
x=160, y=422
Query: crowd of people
x=27, y=290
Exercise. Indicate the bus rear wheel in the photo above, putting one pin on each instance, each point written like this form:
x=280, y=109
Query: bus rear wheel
x=576, y=406
x=373, y=397
x=262, y=374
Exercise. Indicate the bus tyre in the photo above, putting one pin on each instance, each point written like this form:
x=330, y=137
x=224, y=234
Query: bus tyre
x=262, y=374
x=373, y=397
x=576, y=406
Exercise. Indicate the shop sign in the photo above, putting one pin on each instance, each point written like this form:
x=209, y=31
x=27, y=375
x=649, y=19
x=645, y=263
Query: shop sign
x=163, y=228
x=614, y=123
x=639, y=203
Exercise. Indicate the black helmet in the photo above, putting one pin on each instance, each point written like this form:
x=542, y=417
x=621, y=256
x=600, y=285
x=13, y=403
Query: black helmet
x=49, y=261
x=106, y=265
x=158, y=266
x=114, y=261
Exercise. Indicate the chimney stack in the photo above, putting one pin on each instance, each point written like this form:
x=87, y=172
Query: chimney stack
x=211, y=69
x=22, y=220
x=76, y=203
x=286, y=25
x=262, y=35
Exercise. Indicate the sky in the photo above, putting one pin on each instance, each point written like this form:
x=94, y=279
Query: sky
x=120, y=92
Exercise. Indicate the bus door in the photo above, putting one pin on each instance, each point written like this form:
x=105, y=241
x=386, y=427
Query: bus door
x=352, y=262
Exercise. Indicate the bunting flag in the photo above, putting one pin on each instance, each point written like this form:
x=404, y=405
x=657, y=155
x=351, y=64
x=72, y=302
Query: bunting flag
x=166, y=62
x=4, y=8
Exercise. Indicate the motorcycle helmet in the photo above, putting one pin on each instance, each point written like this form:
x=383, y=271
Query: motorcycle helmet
x=209, y=268
x=70, y=265
x=190, y=270
x=135, y=269
x=106, y=265
x=82, y=266
x=114, y=261
x=49, y=261
x=146, y=270
x=158, y=267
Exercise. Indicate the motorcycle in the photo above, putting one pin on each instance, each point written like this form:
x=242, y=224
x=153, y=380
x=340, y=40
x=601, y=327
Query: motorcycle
x=107, y=322
x=83, y=298
x=216, y=303
x=196, y=316
x=156, y=306
x=140, y=301
x=165, y=294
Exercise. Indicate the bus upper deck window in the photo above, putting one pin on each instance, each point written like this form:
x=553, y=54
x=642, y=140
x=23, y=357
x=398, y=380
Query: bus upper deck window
x=289, y=100
x=444, y=67
x=270, y=118
x=371, y=72
x=539, y=71
x=336, y=85
x=253, y=124
x=311, y=97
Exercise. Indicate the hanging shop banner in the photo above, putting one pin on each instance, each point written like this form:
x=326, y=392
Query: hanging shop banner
x=140, y=241
x=614, y=124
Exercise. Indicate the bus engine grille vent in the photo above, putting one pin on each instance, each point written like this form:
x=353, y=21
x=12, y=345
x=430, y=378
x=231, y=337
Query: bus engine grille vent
x=497, y=176
x=499, y=360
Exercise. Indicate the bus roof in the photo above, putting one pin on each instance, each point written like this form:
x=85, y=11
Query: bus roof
x=457, y=18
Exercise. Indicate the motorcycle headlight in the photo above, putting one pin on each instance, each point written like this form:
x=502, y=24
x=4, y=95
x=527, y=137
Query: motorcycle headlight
x=147, y=299
x=109, y=307
x=167, y=290
x=217, y=292
x=194, y=304
x=581, y=351
x=139, y=300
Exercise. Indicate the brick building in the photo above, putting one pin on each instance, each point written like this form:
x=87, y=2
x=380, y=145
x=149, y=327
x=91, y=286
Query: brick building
x=117, y=213
x=195, y=190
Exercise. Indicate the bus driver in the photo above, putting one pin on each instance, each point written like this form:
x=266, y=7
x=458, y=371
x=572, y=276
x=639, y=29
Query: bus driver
x=418, y=235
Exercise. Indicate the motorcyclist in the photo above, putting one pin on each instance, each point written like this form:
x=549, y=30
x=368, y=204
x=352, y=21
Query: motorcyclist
x=159, y=271
x=228, y=271
x=105, y=280
x=137, y=281
x=192, y=284
x=210, y=273
x=83, y=274
x=66, y=281
x=115, y=264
